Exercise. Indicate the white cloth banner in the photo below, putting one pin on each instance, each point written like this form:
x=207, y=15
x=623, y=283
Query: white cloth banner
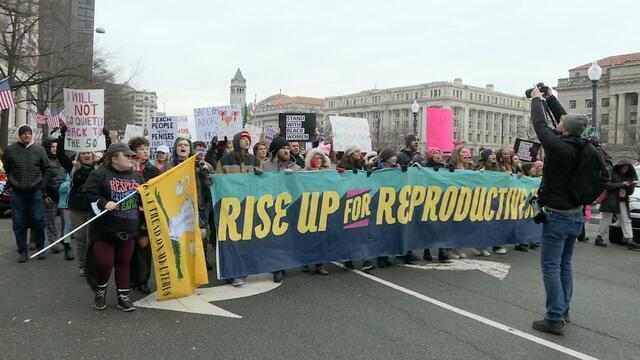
x=162, y=130
x=350, y=131
x=84, y=110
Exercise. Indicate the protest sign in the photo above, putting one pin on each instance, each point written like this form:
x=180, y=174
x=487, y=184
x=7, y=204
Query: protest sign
x=269, y=134
x=281, y=221
x=230, y=120
x=132, y=131
x=162, y=130
x=84, y=111
x=297, y=126
x=348, y=131
x=183, y=126
x=526, y=150
x=255, y=133
x=440, y=129
x=206, y=123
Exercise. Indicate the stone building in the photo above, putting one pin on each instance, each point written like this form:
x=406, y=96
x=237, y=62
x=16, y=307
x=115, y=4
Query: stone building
x=617, y=101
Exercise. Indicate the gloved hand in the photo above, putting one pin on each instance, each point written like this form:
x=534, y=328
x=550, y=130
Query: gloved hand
x=258, y=171
x=369, y=172
x=355, y=171
x=63, y=129
x=105, y=132
x=403, y=167
x=436, y=168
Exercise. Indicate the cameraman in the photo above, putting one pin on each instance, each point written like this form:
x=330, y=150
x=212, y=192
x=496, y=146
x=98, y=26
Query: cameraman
x=564, y=218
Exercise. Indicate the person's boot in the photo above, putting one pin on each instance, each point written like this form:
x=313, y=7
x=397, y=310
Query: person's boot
x=600, y=242
x=23, y=258
x=144, y=288
x=278, y=276
x=521, y=247
x=427, y=255
x=410, y=258
x=68, y=254
x=631, y=245
x=55, y=249
x=349, y=265
x=100, y=300
x=383, y=261
x=124, y=302
x=443, y=256
x=305, y=268
x=549, y=326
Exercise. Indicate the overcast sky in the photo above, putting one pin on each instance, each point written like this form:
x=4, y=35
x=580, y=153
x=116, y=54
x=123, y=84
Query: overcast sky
x=187, y=51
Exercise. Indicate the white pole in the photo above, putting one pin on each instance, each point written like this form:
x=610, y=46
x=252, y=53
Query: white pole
x=80, y=227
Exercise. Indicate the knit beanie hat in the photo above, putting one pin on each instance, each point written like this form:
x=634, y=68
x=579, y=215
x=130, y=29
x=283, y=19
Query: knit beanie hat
x=409, y=138
x=247, y=135
x=575, y=123
x=277, y=144
x=484, y=154
x=387, y=153
x=432, y=150
x=351, y=149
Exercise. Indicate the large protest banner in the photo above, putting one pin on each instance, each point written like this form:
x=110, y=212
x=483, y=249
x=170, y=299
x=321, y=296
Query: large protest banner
x=297, y=126
x=278, y=221
x=131, y=131
x=84, y=111
x=440, y=129
x=206, y=123
x=162, y=130
x=348, y=130
x=171, y=212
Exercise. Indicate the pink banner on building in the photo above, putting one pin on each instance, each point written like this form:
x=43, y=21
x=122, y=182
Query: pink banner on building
x=440, y=129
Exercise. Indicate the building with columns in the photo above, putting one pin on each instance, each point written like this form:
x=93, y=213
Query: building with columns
x=617, y=101
x=268, y=110
x=482, y=116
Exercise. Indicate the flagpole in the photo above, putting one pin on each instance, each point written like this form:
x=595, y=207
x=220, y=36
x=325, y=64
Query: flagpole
x=81, y=226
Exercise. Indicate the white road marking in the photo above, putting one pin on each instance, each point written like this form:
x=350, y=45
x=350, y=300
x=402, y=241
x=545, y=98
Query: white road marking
x=496, y=269
x=198, y=303
x=494, y=324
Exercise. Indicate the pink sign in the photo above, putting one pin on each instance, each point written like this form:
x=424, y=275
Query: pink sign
x=440, y=129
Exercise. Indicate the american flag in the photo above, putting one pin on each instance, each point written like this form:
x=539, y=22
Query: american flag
x=6, y=96
x=53, y=121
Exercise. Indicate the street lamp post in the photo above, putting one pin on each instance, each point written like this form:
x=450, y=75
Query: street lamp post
x=594, y=72
x=414, y=109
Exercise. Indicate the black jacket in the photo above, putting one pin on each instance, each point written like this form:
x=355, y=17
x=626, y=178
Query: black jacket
x=28, y=168
x=406, y=157
x=560, y=161
x=107, y=184
x=77, y=200
x=299, y=160
x=612, y=203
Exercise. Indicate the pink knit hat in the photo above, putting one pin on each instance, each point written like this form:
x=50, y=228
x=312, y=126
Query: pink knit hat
x=432, y=150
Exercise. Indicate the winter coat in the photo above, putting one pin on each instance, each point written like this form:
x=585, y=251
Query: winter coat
x=275, y=165
x=299, y=159
x=406, y=157
x=612, y=203
x=77, y=201
x=28, y=168
x=326, y=162
x=560, y=161
x=237, y=161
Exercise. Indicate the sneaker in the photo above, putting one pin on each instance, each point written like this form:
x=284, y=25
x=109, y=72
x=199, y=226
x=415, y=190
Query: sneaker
x=349, y=265
x=427, y=255
x=320, y=270
x=633, y=246
x=368, y=265
x=476, y=252
x=236, y=282
x=549, y=326
x=384, y=261
x=600, y=242
x=486, y=253
x=125, y=303
x=100, y=299
x=521, y=247
x=500, y=251
x=583, y=239
x=23, y=258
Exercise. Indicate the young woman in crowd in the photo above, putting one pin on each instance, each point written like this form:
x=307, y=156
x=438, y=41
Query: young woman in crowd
x=516, y=165
x=434, y=159
x=503, y=157
x=488, y=162
x=260, y=151
x=316, y=160
x=114, y=234
x=622, y=184
x=460, y=159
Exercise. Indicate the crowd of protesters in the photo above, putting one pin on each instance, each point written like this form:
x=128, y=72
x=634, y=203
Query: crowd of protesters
x=48, y=182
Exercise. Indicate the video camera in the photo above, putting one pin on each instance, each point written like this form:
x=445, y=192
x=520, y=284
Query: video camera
x=541, y=86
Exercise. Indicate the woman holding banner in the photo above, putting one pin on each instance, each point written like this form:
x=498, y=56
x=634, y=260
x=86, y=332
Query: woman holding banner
x=113, y=187
x=461, y=159
x=435, y=160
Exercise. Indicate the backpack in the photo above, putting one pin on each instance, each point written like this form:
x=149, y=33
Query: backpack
x=592, y=171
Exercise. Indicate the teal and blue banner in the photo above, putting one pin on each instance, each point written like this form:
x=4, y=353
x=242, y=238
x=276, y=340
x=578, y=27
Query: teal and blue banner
x=278, y=221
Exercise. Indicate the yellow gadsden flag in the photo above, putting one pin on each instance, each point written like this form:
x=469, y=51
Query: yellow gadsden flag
x=171, y=210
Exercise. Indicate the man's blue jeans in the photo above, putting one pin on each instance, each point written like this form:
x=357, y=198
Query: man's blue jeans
x=26, y=211
x=559, y=235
